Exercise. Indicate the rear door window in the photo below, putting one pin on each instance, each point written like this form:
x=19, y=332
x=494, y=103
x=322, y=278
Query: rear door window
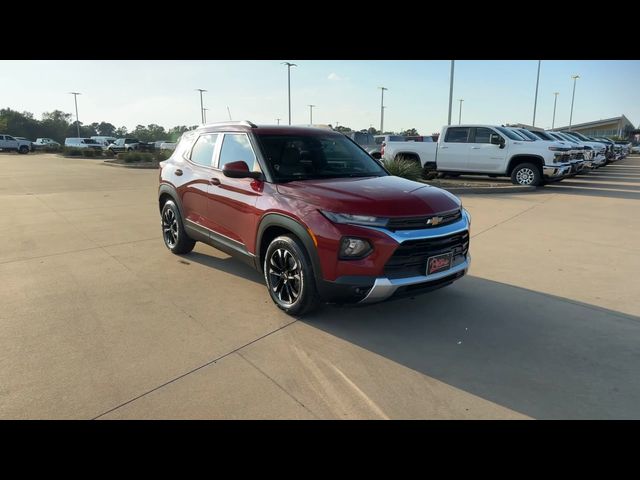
x=202, y=152
x=457, y=135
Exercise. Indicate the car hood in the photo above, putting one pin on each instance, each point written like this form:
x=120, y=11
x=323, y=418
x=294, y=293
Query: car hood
x=386, y=196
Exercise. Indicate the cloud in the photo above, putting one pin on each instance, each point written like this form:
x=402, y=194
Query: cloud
x=334, y=76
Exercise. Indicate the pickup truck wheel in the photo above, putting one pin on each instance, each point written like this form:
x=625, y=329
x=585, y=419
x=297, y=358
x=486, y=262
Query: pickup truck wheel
x=526, y=174
x=23, y=150
x=289, y=276
x=173, y=234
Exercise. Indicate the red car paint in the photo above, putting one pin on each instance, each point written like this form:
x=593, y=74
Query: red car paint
x=235, y=207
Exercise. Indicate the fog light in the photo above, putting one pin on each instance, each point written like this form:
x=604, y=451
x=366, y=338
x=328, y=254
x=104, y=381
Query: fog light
x=351, y=248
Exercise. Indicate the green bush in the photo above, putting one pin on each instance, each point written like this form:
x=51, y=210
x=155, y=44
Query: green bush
x=136, y=157
x=71, y=152
x=405, y=168
x=89, y=153
x=161, y=155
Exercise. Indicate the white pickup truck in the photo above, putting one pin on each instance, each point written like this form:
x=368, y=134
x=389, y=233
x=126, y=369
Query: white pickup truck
x=485, y=150
x=7, y=142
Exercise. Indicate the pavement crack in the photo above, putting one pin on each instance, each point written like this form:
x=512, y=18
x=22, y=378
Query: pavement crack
x=289, y=394
x=195, y=369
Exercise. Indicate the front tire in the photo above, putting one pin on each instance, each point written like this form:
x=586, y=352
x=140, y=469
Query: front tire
x=173, y=234
x=289, y=276
x=526, y=174
x=23, y=150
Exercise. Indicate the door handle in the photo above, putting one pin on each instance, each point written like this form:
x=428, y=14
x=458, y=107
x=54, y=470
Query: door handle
x=475, y=148
x=178, y=172
x=442, y=147
x=215, y=181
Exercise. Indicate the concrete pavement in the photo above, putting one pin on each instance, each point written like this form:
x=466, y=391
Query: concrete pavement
x=99, y=320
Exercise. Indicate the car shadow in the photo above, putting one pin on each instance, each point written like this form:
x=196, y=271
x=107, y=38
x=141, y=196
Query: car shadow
x=228, y=265
x=538, y=354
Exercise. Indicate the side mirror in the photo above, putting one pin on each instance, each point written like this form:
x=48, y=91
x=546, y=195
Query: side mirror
x=239, y=169
x=497, y=140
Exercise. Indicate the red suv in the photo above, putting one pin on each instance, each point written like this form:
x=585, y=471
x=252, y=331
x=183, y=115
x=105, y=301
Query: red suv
x=313, y=211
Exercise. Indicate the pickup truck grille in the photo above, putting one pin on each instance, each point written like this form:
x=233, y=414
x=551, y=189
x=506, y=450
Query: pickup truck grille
x=410, y=258
x=418, y=223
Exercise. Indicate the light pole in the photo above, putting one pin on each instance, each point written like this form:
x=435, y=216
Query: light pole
x=75, y=99
x=555, y=100
x=204, y=111
x=289, y=65
x=535, y=102
x=229, y=112
x=573, y=96
x=310, y=115
x=201, y=106
x=460, y=114
x=382, y=110
x=451, y=91
x=278, y=120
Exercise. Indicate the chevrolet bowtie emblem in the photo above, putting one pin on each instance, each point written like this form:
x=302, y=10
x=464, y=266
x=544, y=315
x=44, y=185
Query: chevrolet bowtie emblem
x=434, y=221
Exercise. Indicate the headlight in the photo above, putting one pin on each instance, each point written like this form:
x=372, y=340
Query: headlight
x=353, y=248
x=355, y=219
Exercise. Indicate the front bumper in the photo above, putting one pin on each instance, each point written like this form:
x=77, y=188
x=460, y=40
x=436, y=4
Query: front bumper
x=384, y=288
x=556, y=171
x=364, y=289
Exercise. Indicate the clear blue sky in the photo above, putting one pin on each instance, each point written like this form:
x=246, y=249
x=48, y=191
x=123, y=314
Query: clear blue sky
x=142, y=92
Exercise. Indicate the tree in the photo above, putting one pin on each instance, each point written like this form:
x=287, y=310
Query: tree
x=54, y=125
x=412, y=132
x=121, y=132
x=106, y=129
x=343, y=129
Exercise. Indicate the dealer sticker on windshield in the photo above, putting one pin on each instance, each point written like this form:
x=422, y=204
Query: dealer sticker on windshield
x=439, y=263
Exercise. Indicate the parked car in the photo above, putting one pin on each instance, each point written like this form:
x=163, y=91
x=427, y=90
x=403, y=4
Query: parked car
x=599, y=148
x=367, y=142
x=311, y=210
x=129, y=145
x=75, y=142
x=168, y=146
x=577, y=164
x=103, y=140
x=8, y=142
x=576, y=151
x=635, y=149
x=42, y=143
x=158, y=143
x=485, y=150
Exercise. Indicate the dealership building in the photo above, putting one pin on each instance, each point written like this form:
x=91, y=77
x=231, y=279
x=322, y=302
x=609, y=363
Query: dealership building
x=609, y=127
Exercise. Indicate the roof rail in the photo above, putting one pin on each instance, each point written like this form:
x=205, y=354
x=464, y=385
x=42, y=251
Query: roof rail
x=246, y=123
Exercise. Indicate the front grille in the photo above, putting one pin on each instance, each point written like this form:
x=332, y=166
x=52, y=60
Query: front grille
x=410, y=258
x=416, y=223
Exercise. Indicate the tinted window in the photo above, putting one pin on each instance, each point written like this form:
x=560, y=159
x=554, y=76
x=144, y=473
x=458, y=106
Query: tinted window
x=301, y=157
x=202, y=152
x=509, y=133
x=543, y=135
x=457, y=135
x=483, y=135
x=236, y=147
x=9, y=137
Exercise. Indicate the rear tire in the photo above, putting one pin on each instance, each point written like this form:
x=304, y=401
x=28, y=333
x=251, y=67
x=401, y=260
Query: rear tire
x=173, y=234
x=526, y=174
x=289, y=276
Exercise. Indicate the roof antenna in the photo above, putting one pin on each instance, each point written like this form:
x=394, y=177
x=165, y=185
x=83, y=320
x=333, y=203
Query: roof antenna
x=229, y=111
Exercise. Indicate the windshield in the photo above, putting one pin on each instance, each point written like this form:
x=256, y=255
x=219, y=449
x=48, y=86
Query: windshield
x=509, y=133
x=304, y=157
x=579, y=135
x=528, y=134
x=543, y=135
